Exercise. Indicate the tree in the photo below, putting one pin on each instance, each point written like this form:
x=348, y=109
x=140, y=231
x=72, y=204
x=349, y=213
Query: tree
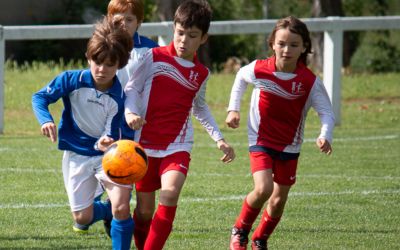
x=326, y=8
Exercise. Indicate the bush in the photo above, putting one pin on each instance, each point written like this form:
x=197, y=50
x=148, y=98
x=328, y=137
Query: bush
x=376, y=54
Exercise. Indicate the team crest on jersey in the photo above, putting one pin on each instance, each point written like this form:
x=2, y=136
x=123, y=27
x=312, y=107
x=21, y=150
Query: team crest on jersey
x=297, y=88
x=168, y=70
x=274, y=88
x=193, y=76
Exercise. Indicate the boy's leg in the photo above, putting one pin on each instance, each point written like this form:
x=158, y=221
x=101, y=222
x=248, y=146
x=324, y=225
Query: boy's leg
x=171, y=185
x=261, y=167
x=99, y=210
x=273, y=212
x=122, y=224
x=284, y=178
x=81, y=186
x=142, y=216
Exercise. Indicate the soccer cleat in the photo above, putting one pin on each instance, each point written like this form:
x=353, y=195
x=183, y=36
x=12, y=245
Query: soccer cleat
x=239, y=239
x=80, y=229
x=259, y=245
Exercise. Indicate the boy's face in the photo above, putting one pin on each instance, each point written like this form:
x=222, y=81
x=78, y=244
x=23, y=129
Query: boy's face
x=287, y=47
x=128, y=20
x=187, y=41
x=103, y=73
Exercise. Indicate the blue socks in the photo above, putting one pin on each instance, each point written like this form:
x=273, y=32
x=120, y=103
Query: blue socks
x=121, y=233
x=101, y=211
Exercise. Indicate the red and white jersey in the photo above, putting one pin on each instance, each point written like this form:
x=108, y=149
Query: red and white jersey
x=165, y=90
x=279, y=104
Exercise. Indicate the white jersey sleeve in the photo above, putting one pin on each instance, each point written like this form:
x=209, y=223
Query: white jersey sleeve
x=321, y=103
x=244, y=76
x=136, y=83
x=125, y=73
x=203, y=114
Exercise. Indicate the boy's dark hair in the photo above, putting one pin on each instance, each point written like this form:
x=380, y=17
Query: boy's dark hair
x=136, y=7
x=194, y=13
x=295, y=26
x=109, y=41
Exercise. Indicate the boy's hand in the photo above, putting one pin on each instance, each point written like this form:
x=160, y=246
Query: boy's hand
x=134, y=121
x=324, y=146
x=229, y=153
x=233, y=119
x=49, y=129
x=104, y=142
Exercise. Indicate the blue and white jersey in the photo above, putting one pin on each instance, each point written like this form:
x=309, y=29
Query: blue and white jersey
x=140, y=45
x=88, y=113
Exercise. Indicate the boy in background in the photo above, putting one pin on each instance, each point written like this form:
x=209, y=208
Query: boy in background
x=93, y=109
x=284, y=90
x=165, y=88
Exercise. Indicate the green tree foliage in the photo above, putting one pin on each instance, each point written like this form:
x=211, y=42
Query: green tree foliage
x=242, y=46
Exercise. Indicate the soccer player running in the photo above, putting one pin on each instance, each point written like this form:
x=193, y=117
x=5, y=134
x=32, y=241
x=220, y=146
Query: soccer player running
x=167, y=86
x=93, y=109
x=284, y=90
x=129, y=14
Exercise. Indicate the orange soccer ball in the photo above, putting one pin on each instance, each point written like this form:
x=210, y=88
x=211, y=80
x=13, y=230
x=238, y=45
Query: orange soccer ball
x=125, y=162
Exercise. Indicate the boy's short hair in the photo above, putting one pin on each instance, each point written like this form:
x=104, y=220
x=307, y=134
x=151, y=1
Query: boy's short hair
x=109, y=41
x=136, y=7
x=194, y=13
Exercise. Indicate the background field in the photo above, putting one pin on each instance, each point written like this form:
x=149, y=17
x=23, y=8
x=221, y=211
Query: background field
x=350, y=200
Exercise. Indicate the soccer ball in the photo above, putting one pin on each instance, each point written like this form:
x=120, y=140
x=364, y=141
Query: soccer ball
x=125, y=162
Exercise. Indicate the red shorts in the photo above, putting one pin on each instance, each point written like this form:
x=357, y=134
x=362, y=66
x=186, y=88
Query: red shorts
x=284, y=171
x=178, y=161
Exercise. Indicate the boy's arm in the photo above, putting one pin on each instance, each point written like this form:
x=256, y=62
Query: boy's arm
x=321, y=103
x=43, y=98
x=136, y=86
x=125, y=73
x=49, y=94
x=243, y=76
x=202, y=113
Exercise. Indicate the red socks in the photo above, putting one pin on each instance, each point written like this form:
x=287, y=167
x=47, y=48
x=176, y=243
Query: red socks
x=266, y=227
x=247, y=216
x=141, y=231
x=160, y=228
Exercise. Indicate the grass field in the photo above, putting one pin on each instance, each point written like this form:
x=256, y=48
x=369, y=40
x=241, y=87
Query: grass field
x=350, y=200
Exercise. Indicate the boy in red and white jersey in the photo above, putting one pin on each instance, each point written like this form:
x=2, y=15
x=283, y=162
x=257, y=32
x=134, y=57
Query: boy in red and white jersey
x=284, y=90
x=168, y=85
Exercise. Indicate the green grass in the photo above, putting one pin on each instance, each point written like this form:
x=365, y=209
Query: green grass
x=350, y=200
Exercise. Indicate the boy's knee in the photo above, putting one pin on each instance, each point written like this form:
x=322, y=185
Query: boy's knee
x=144, y=214
x=82, y=218
x=277, y=203
x=263, y=192
x=121, y=211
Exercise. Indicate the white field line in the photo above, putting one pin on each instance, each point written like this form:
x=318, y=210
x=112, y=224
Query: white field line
x=222, y=198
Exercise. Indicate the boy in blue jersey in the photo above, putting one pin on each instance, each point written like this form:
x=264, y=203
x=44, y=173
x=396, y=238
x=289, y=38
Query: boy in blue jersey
x=91, y=120
x=130, y=13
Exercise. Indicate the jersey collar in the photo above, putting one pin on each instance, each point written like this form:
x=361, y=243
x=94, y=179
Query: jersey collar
x=116, y=88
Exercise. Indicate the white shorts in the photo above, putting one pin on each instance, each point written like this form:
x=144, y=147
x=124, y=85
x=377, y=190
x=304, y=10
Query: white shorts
x=83, y=178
